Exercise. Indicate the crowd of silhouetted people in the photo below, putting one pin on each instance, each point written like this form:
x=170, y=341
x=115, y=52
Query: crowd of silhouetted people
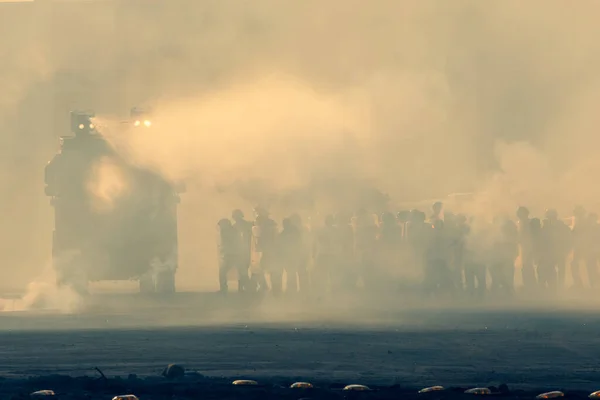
x=443, y=254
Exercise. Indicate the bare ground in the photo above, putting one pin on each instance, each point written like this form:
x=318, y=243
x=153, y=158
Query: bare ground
x=277, y=343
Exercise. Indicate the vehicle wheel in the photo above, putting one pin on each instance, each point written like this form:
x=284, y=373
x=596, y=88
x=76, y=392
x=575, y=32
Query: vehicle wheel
x=165, y=282
x=147, y=284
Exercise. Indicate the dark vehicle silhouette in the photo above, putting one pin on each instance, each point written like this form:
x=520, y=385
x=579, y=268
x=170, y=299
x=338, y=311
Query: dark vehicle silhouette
x=113, y=220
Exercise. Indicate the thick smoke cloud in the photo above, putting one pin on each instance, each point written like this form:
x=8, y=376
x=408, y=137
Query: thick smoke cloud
x=301, y=105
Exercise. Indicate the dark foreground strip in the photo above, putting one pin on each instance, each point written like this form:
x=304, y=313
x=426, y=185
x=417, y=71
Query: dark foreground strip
x=199, y=387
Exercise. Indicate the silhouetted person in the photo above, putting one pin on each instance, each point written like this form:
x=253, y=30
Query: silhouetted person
x=437, y=212
x=476, y=257
x=553, y=237
x=403, y=218
x=326, y=250
x=564, y=249
x=297, y=272
x=417, y=234
x=289, y=254
x=456, y=247
x=527, y=268
x=390, y=232
x=405, y=261
x=537, y=241
x=264, y=235
x=229, y=251
x=580, y=235
x=437, y=274
x=244, y=229
x=462, y=230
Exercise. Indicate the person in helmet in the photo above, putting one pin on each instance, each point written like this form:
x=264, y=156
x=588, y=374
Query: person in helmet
x=286, y=247
x=417, y=235
x=438, y=278
x=525, y=247
x=263, y=248
x=403, y=218
x=554, y=236
x=580, y=242
x=564, y=249
x=437, y=212
x=229, y=251
x=297, y=268
x=537, y=240
x=477, y=256
x=244, y=229
x=461, y=231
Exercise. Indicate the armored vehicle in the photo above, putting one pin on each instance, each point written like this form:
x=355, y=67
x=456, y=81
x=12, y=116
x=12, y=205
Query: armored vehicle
x=113, y=220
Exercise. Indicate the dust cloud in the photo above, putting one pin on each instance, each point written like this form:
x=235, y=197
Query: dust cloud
x=42, y=294
x=311, y=107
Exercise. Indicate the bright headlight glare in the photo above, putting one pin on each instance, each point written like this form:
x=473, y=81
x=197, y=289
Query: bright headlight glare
x=81, y=126
x=147, y=123
x=137, y=123
x=91, y=126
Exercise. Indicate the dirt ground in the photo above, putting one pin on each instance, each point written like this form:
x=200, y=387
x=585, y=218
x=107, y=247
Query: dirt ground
x=397, y=351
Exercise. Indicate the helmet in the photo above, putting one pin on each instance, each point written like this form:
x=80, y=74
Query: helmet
x=417, y=216
x=224, y=223
x=551, y=214
x=287, y=223
x=261, y=211
x=296, y=219
x=522, y=212
x=403, y=216
x=237, y=214
x=579, y=212
x=388, y=218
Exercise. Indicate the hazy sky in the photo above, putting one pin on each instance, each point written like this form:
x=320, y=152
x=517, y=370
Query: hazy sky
x=328, y=101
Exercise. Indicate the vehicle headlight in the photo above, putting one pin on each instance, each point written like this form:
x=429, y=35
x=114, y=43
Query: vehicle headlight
x=147, y=123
